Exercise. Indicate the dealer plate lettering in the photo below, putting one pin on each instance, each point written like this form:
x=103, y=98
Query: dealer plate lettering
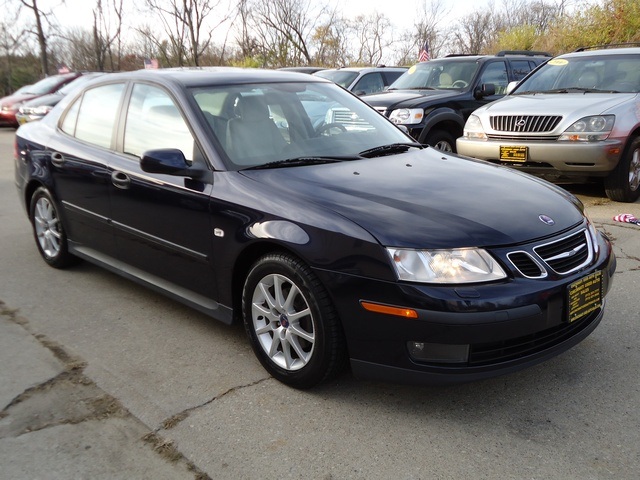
x=585, y=296
x=513, y=153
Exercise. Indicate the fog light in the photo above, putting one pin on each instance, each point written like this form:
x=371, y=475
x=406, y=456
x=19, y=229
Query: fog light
x=438, y=352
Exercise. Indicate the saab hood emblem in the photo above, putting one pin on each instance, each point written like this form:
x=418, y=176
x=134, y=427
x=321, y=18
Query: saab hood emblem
x=546, y=219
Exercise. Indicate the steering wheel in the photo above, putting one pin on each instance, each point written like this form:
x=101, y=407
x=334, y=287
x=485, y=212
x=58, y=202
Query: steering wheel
x=328, y=126
x=460, y=83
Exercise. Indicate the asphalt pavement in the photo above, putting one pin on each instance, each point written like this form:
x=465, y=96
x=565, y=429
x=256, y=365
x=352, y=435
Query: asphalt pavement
x=103, y=379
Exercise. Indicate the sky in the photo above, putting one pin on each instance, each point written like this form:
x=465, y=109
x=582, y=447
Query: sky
x=401, y=13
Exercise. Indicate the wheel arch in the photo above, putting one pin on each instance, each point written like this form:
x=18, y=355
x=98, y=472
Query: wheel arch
x=443, y=119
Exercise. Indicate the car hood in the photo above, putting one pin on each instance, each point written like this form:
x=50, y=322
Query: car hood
x=576, y=104
x=424, y=199
x=13, y=99
x=48, y=99
x=407, y=98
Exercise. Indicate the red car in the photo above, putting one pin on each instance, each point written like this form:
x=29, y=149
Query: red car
x=11, y=104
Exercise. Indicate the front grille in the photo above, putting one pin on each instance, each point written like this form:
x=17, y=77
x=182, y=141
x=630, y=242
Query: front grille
x=502, y=351
x=526, y=264
x=524, y=123
x=567, y=254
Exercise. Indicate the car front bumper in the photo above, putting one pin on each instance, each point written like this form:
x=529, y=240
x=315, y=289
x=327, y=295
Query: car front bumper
x=468, y=333
x=562, y=158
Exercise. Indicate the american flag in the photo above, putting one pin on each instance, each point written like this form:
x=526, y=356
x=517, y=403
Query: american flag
x=424, y=53
x=151, y=63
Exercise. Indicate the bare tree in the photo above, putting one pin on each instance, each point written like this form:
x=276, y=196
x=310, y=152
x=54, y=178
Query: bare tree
x=107, y=33
x=331, y=42
x=10, y=37
x=372, y=34
x=283, y=30
x=40, y=18
x=476, y=31
x=184, y=25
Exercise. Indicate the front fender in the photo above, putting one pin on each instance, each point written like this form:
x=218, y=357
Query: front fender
x=438, y=116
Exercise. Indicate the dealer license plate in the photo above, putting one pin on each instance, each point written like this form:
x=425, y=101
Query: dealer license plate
x=513, y=153
x=585, y=296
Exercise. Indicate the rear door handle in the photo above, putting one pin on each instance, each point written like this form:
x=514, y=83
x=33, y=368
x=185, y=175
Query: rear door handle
x=57, y=159
x=120, y=180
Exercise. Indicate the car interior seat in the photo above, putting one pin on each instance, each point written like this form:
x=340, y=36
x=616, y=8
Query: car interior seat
x=445, y=80
x=588, y=79
x=252, y=135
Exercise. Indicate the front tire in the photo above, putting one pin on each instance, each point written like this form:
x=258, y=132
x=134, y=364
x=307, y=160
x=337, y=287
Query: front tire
x=623, y=183
x=291, y=322
x=441, y=140
x=48, y=230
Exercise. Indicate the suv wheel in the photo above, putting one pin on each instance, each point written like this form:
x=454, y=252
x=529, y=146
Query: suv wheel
x=623, y=183
x=441, y=140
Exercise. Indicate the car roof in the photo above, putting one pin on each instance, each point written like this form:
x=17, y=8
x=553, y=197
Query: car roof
x=206, y=76
x=602, y=51
x=363, y=69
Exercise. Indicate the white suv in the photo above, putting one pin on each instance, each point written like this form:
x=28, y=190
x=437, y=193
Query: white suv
x=574, y=119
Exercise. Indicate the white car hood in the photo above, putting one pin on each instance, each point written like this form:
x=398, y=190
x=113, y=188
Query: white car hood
x=573, y=105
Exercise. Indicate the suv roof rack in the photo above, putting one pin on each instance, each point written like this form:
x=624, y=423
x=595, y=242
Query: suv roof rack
x=530, y=53
x=608, y=45
x=461, y=55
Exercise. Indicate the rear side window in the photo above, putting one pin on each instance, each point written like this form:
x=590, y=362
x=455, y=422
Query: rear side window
x=520, y=68
x=92, y=117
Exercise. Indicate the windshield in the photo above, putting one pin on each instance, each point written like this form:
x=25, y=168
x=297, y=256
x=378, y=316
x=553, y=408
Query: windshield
x=259, y=124
x=437, y=75
x=344, y=78
x=609, y=73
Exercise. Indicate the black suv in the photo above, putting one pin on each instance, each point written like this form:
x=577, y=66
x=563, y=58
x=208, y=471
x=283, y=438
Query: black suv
x=433, y=99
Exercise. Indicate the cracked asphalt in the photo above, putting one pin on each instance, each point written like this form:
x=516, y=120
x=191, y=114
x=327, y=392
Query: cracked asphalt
x=103, y=379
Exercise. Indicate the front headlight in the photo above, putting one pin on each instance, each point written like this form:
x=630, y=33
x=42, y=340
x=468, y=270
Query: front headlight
x=464, y=265
x=589, y=129
x=42, y=110
x=473, y=128
x=407, y=116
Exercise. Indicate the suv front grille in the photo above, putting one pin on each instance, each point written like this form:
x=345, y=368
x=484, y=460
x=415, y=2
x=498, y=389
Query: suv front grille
x=524, y=123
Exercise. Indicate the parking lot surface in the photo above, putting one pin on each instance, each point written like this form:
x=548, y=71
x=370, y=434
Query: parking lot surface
x=102, y=378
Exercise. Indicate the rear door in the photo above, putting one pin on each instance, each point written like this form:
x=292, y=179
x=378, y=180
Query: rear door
x=79, y=166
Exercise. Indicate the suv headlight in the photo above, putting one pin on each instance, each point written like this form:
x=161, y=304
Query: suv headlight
x=473, y=128
x=463, y=265
x=589, y=129
x=407, y=116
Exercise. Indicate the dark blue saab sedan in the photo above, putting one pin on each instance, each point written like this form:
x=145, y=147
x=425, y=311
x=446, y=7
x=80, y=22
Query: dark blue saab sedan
x=280, y=200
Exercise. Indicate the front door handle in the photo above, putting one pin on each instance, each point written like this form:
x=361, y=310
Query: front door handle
x=120, y=180
x=57, y=159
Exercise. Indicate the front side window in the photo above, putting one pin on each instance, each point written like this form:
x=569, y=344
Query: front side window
x=153, y=122
x=92, y=117
x=496, y=74
x=369, y=83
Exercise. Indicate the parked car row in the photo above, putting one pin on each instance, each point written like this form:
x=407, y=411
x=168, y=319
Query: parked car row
x=10, y=104
x=243, y=194
x=575, y=119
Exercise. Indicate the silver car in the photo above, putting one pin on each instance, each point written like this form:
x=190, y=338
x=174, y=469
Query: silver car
x=575, y=119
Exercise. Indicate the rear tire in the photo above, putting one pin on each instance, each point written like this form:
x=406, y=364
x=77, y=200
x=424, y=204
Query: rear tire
x=291, y=322
x=623, y=183
x=48, y=231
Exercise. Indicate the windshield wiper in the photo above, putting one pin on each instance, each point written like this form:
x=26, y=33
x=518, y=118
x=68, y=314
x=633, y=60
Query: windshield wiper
x=302, y=161
x=575, y=89
x=389, y=149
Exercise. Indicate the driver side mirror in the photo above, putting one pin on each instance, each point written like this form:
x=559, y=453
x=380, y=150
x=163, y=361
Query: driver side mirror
x=167, y=161
x=485, y=90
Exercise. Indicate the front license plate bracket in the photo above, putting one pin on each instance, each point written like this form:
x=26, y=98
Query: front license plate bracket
x=584, y=296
